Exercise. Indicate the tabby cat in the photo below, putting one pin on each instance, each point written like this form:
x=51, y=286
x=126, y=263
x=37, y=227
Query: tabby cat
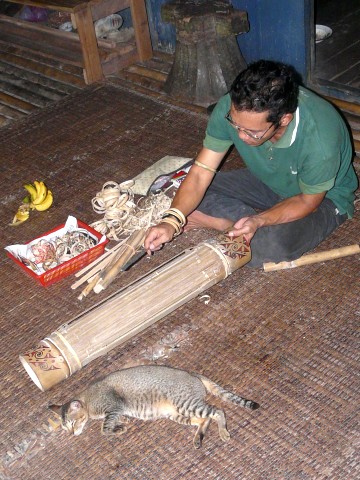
x=149, y=392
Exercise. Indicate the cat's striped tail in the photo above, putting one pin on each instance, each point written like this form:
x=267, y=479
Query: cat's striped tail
x=220, y=392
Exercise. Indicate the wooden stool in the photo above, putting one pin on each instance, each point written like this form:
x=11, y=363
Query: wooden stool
x=207, y=56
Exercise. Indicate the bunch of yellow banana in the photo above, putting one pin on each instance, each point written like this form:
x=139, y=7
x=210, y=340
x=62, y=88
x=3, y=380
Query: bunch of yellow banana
x=40, y=198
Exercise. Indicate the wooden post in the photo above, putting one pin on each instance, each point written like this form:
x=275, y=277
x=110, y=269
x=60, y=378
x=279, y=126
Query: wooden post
x=92, y=65
x=141, y=29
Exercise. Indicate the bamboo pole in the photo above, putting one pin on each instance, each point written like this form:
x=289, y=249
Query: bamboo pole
x=313, y=258
x=129, y=311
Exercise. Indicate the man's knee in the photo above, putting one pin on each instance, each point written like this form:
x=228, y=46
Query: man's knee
x=289, y=241
x=277, y=243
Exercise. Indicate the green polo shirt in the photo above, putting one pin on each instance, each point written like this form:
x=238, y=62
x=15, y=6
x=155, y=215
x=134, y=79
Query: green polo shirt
x=314, y=154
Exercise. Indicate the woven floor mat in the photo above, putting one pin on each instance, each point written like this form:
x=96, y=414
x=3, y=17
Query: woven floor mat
x=287, y=339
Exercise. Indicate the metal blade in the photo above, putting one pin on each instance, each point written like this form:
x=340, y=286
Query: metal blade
x=134, y=259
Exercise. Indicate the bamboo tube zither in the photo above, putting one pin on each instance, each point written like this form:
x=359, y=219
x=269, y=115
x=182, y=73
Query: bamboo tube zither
x=110, y=323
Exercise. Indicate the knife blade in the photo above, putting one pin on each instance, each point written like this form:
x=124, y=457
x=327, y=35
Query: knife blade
x=134, y=259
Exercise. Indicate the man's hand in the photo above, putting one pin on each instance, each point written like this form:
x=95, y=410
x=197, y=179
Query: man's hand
x=157, y=236
x=246, y=226
x=289, y=210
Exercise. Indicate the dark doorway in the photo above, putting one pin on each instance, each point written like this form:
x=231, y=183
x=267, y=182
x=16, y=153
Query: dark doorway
x=336, y=62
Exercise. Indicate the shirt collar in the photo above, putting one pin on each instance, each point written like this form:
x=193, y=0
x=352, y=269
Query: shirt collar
x=290, y=133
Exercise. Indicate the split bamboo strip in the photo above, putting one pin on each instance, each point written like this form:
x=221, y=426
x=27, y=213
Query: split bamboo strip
x=90, y=275
x=97, y=269
x=97, y=266
x=89, y=287
x=99, y=259
x=132, y=309
x=134, y=241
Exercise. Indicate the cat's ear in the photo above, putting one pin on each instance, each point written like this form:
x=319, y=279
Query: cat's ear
x=56, y=409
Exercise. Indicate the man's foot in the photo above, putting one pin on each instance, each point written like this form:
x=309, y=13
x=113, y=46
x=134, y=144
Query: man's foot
x=198, y=219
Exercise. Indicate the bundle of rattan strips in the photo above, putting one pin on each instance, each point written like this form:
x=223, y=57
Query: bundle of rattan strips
x=122, y=215
x=124, y=218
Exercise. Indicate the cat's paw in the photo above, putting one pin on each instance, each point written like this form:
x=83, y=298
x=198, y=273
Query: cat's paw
x=224, y=435
x=118, y=429
x=198, y=441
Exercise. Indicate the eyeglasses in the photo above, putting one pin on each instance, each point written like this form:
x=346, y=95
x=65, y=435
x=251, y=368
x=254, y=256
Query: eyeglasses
x=249, y=133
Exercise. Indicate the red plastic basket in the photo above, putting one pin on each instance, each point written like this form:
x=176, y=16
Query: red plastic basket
x=70, y=266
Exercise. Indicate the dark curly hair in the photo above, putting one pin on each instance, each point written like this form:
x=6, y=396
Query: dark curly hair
x=266, y=86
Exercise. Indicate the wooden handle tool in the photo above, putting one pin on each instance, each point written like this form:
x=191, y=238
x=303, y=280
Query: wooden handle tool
x=314, y=258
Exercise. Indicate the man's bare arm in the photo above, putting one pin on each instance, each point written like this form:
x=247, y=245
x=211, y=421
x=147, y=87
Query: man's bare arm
x=288, y=210
x=188, y=196
x=193, y=188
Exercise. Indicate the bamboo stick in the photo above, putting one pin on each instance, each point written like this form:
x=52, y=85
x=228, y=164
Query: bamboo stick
x=313, y=258
x=97, y=265
x=111, y=271
x=92, y=282
x=90, y=274
x=97, y=260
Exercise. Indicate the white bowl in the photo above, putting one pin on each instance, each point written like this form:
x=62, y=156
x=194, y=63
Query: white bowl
x=322, y=32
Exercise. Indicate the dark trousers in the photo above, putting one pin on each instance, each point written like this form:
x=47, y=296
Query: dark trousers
x=238, y=193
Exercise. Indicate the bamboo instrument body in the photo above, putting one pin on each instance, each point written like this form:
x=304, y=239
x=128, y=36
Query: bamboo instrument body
x=110, y=323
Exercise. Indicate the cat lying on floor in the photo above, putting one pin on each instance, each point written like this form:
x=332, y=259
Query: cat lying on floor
x=149, y=392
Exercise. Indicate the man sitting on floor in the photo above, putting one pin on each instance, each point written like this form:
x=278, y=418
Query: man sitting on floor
x=299, y=182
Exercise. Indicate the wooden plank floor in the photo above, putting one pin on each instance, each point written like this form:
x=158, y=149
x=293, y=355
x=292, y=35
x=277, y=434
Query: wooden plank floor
x=29, y=82
x=338, y=57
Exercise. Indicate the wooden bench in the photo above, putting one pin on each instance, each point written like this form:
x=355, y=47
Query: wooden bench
x=97, y=57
